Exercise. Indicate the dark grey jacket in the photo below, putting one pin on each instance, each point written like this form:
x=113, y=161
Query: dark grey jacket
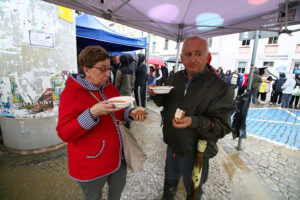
x=209, y=101
x=256, y=79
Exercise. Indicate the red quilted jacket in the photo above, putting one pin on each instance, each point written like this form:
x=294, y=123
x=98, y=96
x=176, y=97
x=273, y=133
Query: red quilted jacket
x=94, y=148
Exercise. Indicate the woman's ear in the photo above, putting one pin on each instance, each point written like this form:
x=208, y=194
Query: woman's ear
x=85, y=71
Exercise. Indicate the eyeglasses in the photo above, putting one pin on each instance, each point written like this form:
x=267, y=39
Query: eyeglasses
x=103, y=70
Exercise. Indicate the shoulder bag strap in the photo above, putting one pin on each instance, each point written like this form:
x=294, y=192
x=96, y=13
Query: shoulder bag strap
x=94, y=96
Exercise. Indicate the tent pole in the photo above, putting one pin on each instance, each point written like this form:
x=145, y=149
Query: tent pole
x=177, y=56
x=250, y=77
x=147, y=64
x=253, y=60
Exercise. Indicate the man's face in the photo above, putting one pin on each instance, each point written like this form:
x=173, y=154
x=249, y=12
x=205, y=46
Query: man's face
x=194, y=56
x=117, y=59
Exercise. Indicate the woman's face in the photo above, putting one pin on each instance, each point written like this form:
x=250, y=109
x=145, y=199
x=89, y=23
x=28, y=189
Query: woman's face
x=99, y=74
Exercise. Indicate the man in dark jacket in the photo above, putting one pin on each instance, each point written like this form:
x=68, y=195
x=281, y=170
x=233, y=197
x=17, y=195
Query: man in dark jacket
x=277, y=88
x=256, y=81
x=140, y=81
x=208, y=104
x=165, y=74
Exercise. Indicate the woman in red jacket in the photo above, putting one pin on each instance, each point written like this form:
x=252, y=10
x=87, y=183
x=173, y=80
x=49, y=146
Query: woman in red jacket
x=90, y=127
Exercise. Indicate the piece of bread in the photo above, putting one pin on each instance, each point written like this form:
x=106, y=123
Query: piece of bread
x=179, y=114
x=138, y=111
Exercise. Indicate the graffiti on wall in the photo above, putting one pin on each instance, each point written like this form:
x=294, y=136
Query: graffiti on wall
x=23, y=100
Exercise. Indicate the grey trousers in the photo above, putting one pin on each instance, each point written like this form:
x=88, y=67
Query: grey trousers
x=177, y=166
x=116, y=181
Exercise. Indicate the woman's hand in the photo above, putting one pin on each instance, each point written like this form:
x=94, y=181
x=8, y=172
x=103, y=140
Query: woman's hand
x=150, y=91
x=138, y=114
x=182, y=123
x=102, y=108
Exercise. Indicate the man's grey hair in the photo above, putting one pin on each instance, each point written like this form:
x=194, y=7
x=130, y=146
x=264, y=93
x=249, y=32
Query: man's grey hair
x=196, y=37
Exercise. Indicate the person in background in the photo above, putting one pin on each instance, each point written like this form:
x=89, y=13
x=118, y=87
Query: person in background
x=255, y=85
x=234, y=82
x=208, y=104
x=165, y=74
x=152, y=78
x=228, y=77
x=244, y=83
x=294, y=97
x=158, y=75
x=221, y=73
x=140, y=81
x=90, y=128
x=132, y=63
x=265, y=87
x=115, y=66
x=173, y=71
x=125, y=77
x=277, y=88
x=287, y=90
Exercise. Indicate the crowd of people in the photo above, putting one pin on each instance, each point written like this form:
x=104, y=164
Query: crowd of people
x=278, y=91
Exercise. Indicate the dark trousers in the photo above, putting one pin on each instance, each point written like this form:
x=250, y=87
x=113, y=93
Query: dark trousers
x=177, y=166
x=285, y=100
x=140, y=95
x=296, y=99
x=116, y=181
x=275, y=97
x=254, y=92
x=263, y=96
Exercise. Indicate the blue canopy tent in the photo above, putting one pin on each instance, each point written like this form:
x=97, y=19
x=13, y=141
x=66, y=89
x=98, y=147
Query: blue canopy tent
x=90, y=31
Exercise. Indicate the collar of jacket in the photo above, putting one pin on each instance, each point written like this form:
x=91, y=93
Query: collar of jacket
x=197, y=76
x=79, y=78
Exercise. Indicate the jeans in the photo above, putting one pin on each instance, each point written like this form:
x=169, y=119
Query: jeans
x=285, y=100
x=254, y=92
x=177, y=166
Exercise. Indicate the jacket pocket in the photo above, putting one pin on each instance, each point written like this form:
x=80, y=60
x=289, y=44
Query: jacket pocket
x=98, y=154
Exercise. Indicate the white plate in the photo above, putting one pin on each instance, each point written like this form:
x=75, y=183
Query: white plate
x=161, y=89
x=122, y=101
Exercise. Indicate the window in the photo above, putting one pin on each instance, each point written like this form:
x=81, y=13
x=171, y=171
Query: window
x=153, y=46
x=273, y=40
x=268, y=64
x=209, y=41
x=242, y=66
x=166, y=44
x=296, y=67
x=246, y=42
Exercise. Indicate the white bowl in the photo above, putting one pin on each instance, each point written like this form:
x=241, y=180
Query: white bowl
x=121, y=101
x=161, y=89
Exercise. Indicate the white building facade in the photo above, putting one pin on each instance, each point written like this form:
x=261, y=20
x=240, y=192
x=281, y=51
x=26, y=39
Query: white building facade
x=281, y=52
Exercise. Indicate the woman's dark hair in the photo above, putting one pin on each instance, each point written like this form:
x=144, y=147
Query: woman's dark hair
x=90, y=55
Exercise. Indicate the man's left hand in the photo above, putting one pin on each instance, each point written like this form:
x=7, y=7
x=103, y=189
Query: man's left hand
x=182, y=123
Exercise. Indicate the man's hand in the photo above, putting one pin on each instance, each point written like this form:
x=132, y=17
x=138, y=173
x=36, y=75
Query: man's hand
x=150, y=91
x=182, y=123
x=102, y=108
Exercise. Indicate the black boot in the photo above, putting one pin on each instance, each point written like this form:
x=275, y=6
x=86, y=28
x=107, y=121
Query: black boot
x=170, y=188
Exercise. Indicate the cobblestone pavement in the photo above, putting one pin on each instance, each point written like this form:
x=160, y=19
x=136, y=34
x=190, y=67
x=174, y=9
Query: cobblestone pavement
x=261, y=170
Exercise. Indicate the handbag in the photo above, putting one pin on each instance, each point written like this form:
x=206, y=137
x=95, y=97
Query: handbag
x=262, y=88
x=296, y=91
x=134, y=155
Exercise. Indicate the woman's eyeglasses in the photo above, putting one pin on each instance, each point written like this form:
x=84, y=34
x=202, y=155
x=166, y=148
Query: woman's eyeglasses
x=103, y=70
